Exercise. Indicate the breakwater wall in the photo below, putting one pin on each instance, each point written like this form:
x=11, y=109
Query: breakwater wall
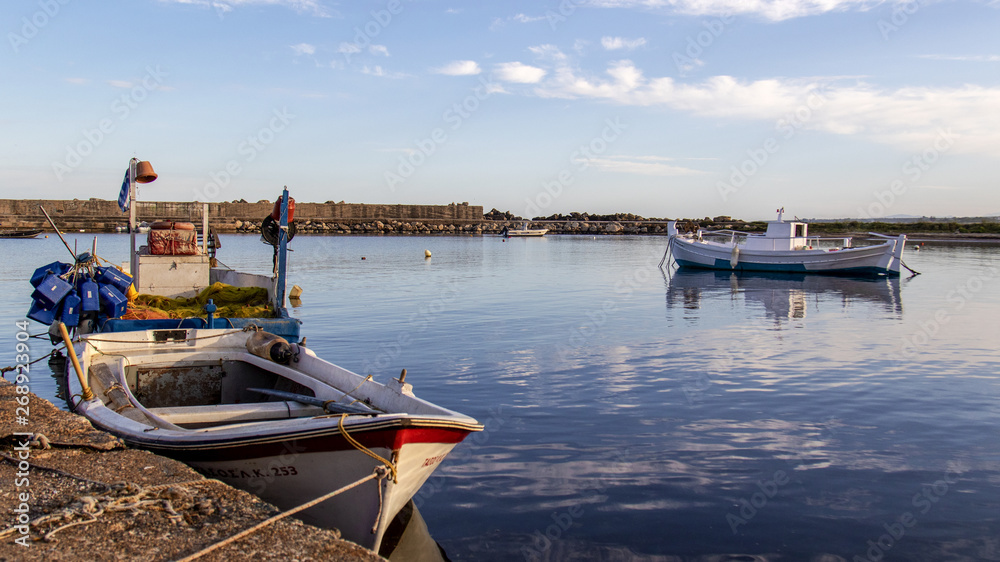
x=100, y=215
x=464, y=227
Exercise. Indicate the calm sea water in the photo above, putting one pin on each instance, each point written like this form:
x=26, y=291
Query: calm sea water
x=637, y=415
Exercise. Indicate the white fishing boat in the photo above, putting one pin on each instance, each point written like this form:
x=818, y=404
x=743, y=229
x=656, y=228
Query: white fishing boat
x=523, y=231
x=269, y=417
x=240, y=399
x=785, y=247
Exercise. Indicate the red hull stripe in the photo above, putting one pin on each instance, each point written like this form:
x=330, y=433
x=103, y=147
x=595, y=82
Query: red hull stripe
x=390, y=438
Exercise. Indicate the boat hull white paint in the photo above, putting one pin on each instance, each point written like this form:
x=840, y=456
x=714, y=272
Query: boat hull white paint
x=287, y=462
x=869, y=260
x=290, y=479
x=522, y=233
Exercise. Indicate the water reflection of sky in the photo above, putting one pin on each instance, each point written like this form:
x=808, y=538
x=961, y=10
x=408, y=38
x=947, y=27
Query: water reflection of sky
x=644, y=407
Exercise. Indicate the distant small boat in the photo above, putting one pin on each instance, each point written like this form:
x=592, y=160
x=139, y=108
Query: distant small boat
x=523, y=231
x=19, y=233
x=784, y=247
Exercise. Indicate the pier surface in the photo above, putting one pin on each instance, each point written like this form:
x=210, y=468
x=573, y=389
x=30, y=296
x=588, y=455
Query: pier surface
x=98, y=500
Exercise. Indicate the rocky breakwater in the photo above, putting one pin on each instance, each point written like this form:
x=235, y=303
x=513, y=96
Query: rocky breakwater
x=463, y=228
x=603, y=227
x=388, y=226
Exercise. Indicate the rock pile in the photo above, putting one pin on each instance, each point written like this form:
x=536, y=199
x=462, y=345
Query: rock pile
x=485, y=227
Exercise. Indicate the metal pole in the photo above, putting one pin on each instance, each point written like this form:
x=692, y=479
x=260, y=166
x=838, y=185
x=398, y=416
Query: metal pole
x=279, y=296
x=204, y=229
x=59, y=234
x=133, y=256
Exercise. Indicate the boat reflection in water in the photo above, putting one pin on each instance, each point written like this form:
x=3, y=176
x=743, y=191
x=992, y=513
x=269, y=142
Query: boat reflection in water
x=784, y=296
x=407, y=539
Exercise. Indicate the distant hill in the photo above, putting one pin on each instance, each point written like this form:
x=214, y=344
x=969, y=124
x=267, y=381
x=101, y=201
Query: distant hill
x=912, y=218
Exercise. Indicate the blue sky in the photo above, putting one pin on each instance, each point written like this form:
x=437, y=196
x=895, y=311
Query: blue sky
x=666, y=108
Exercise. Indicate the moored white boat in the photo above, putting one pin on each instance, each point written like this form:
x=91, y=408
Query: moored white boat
x=784, y=247
x=203, y=397
x=523, y=231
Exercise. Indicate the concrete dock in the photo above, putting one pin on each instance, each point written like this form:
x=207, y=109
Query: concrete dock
x=71, y=492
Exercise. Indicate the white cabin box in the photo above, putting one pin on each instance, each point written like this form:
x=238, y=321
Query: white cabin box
x=173, y=276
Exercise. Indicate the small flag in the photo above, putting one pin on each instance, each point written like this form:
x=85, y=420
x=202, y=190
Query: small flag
x=123, y=194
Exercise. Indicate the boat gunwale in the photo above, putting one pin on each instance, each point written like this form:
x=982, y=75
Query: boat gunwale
x=874, y=249
x=148, y=353
x=278, y=431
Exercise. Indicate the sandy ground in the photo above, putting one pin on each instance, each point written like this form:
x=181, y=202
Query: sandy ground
x=130, y=504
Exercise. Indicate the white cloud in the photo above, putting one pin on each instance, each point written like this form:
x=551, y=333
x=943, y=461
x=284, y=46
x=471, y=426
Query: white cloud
x=379, y=50
x=549, y=53
x=348, y=48
x=459, y=68
x=311, y=7
x=519, y=73
x=641, y=165
x=377, y=70
x=615, y=43
x=304, y=49
x=120, y=83
x=521, y=18
x=78, y=81
x=911, y=118
x=774, y=10
x=498, y=23
x=963, y=58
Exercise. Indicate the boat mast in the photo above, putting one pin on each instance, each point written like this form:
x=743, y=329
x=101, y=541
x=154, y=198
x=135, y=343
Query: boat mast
x=133, y=256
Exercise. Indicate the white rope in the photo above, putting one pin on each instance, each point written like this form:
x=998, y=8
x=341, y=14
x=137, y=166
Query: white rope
x=667, y=251
x=282, y=515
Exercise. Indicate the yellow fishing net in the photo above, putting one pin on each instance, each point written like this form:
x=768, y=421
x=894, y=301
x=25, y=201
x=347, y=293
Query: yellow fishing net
x=232, y=302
